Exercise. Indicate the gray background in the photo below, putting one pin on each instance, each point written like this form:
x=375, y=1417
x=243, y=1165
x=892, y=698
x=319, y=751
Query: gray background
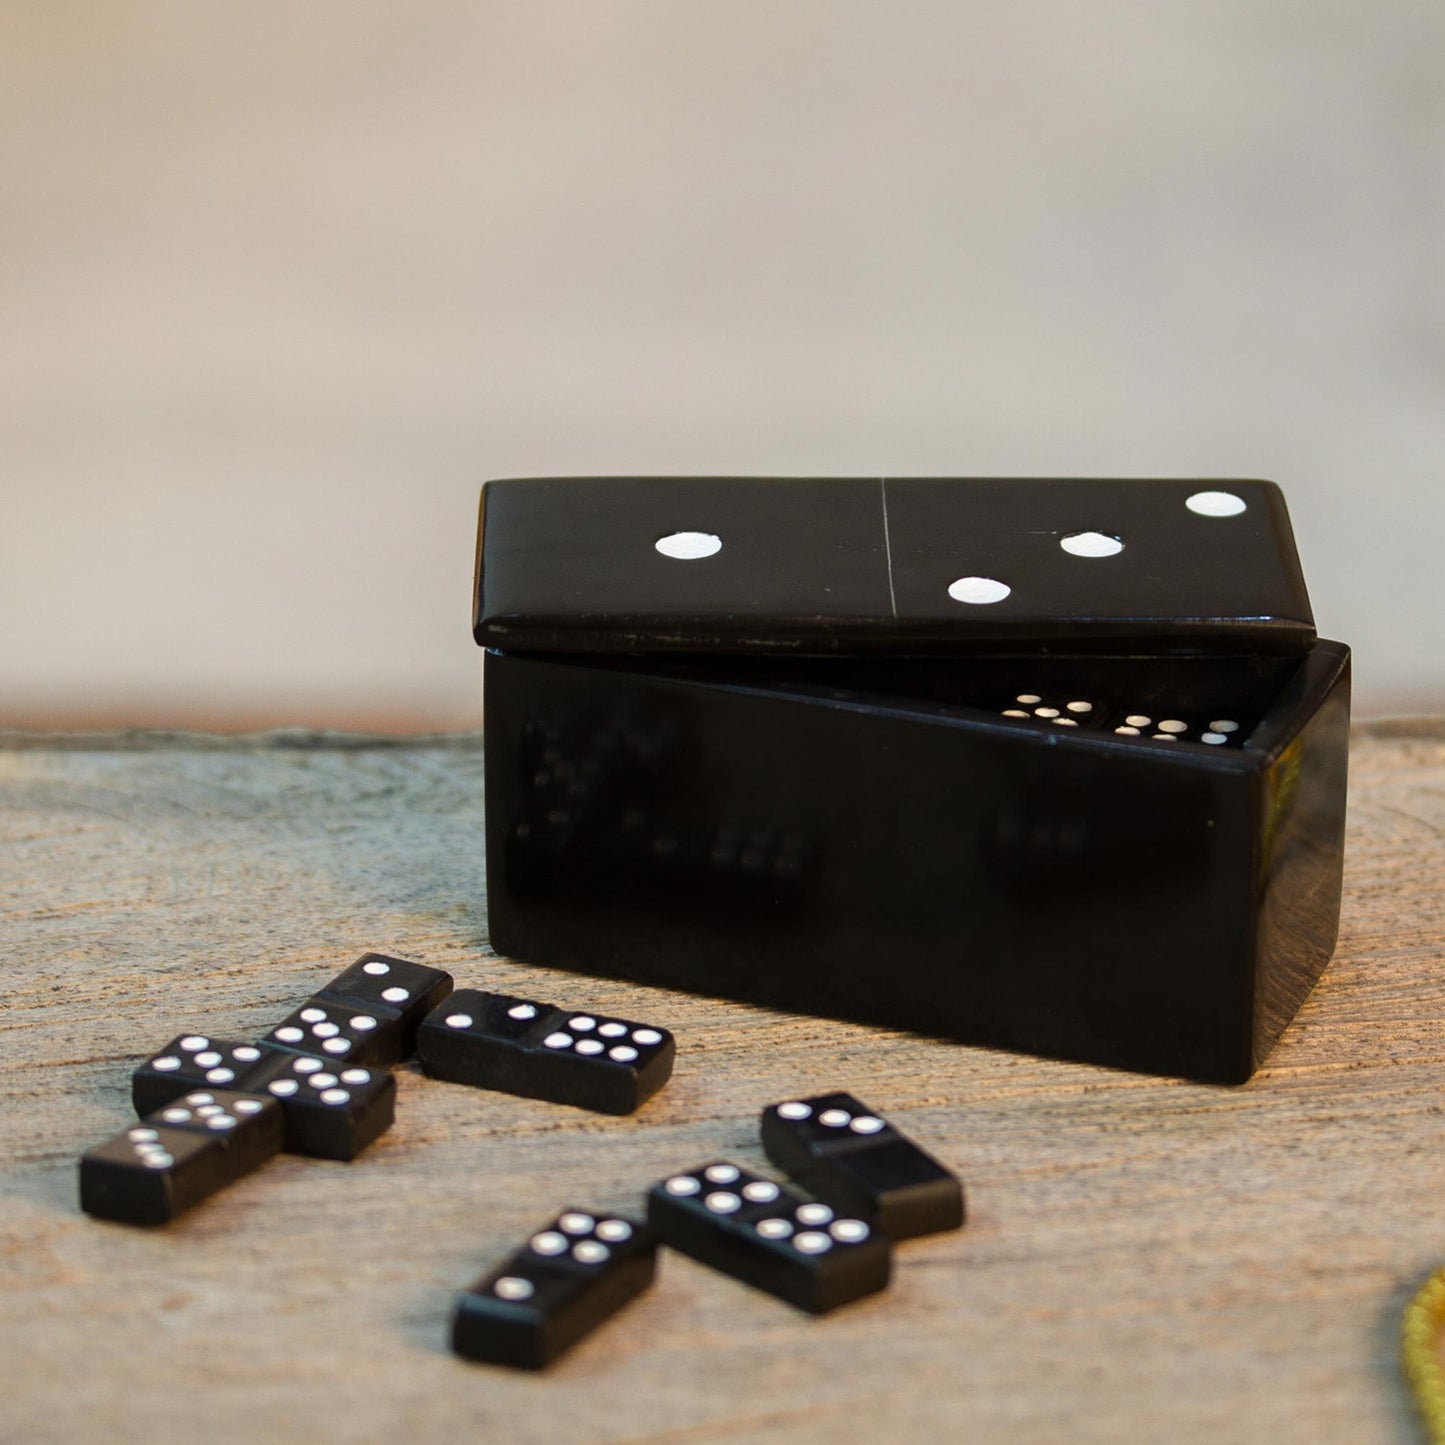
x=280, y=285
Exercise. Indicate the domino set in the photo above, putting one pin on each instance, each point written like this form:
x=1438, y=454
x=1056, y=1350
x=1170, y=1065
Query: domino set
x=319, y=1083
x=868, y=1186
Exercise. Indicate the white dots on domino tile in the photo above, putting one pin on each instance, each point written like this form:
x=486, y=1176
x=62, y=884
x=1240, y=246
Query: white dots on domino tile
x=1046, y=712
x=1215, y=504
x=849, y=1231
x=1092, y=544
x=511, y=1287
x=200, y=1098
x=335, y=1096
x=689, y=546
x=614, y=1231
x=142, y=1136
x=326, y=1030
x=459, y=1021
x=722, y=1173
x=1079, y=705
x=1223, y=725
x=517, y=1011
x=355, y=1077
x=363, y=1023
x=395, y=995
x=248, y=1106
x=322, y=1081
x=1173, y=725
x=307, y=1066
x=774, y=1228
x=176, y=1115
x=1213, y=739
x=166, y=1064
x=622, y=1054
x=1028, y=698
x=612, y=1030
x=289, y=1035
x=336, y=1046
x=208, y=1059
x=761, y=1191
x=582, y=1024
x=549, y=1243
x=795, y=1109
x=222, y=1122
x=194, y=1043
x=283, y=1088
x=646, y=1036
x=157, y=1160
x=812, y=1242
x=834, y=1118
x=1014, y=712
x=814, y=1214
x=1128, y=732
x=557, y=1041
x=682, y=1185
x=723, y=1201
x=867, y=1124
x=575, y=1222
x=312, y=1015
x=247, y=1053
x=376, y=968
x=590, y=1251
x=1138, y=720
x=590, y=1046
x=220, y=1076
x=978, y=591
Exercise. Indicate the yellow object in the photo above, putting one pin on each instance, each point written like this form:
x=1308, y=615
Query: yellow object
x=1420, y=1328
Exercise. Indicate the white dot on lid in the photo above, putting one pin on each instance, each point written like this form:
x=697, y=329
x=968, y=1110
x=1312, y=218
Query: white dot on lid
x=866, y=1124
x=834, y=1118
x=1128, y=732
x=394, y=995
x=157, y=1161
x=363, y=1023
x=1215, y=504
x=376, y=968
x=335, y=1096
x=247, y=1053
x=813, y=1243
x=307, y=1066
x=167, y=1064
x=689, y=546
x=522, y=1011
x=1223, y=725
x=322, y=1081
x=549, y=1242
x=326, y=1030
x=220, y=1076
x=681, y=1185
x=1173, y=725
x=557, y=1041
x=722, y=1173
x=1046, y=712
x=590, y=1046
x=613, y=1030
x=459, y=1021
x=1028, y=697
x=1014, y=712
x=814, y=1214
x=142, y=1136
x=1081, y=706
x=979, y=591
x=723, y=1201
x=336, y=1046
x=849, y=1231
x=646, y=1036
x=1091, y=544
x=794, y=1110
x=248, y=1106
x=614, y=1231
x=209, y=1059
x=582, y=1024
x=623, y=1053
x=283, y=1088
x=1213, y=738
x=761, y=1191
x=193, y=1042
x=355, y=1076
x=589, y=1251
x=1138, y=720
x=511, y=1288
x=312, y=1015
x=290, y=1035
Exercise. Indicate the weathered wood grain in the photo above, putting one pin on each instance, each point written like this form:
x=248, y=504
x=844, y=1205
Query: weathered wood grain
x=1145, y=1260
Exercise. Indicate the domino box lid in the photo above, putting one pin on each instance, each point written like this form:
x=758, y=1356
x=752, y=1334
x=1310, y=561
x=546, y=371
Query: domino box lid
x=861, y=565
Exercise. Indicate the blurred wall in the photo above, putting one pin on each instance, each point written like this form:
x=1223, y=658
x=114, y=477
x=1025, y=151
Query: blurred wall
x=281, y=284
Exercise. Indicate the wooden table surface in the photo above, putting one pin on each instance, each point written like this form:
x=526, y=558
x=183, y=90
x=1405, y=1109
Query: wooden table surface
x=1145, y=1260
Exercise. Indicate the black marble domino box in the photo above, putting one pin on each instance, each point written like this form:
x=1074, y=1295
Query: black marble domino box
x=1049, y=765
